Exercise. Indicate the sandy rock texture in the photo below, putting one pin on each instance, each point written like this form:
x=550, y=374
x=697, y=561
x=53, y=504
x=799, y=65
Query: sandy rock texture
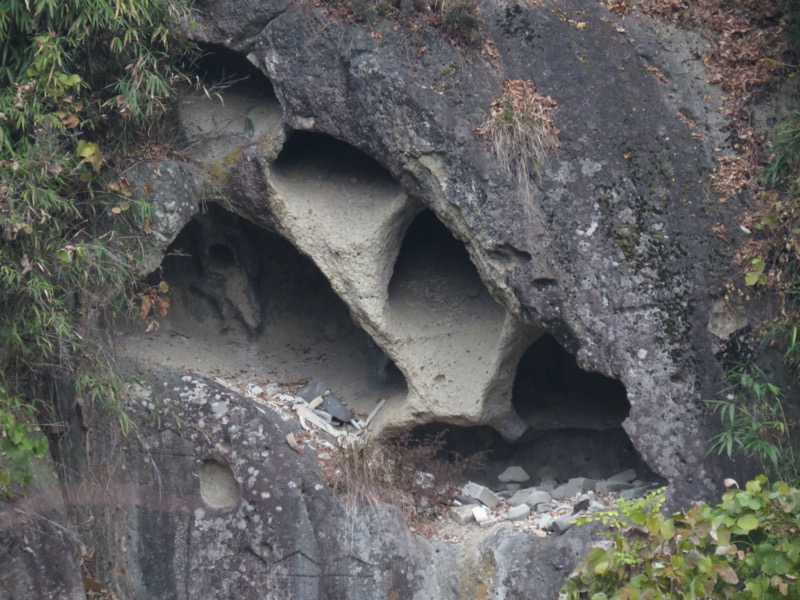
x=610, y=255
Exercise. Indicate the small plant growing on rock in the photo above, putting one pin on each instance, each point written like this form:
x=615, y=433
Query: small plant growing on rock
x=755, y=425
x=413, y=474
x=746, y=547
x=521, y=131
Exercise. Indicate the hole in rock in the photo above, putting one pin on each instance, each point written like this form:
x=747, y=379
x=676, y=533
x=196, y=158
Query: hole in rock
x=319, y=159
x=556, y=455
x=218, y=488
x=435, y=291
x=221, y=68
x=433, y=267
x=552, y=392
x=247, y=306
x=236, y=106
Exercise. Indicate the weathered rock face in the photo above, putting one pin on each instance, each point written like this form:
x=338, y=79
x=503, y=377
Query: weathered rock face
x=611, y=255
x=209, y=501
x=363, y=233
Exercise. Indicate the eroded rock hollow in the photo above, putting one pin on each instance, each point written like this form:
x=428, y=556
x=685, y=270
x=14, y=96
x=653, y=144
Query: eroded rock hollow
x=340, y=217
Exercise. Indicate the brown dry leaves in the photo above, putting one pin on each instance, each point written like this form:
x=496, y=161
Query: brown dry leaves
x=747, y=56
x=521, y=130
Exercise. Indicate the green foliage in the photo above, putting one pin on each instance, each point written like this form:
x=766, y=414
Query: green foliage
x=20, y=444
x=754, y=423
x=78, y=81
x=746, y=547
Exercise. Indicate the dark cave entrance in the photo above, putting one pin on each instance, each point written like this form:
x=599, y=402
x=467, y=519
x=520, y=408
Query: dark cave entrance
x=221, y=68
x=321, y=156
x=249, y=294
x=554, y=456
x=552, y=392
x=574, y=423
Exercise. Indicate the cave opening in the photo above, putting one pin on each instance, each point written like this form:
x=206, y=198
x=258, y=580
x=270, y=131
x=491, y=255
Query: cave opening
x=311, y=156
x=574, y=421
x=434, y=267
x=223, y=69
x=233, y=106
x=552, y=392
x=244, y=299
x=435, y=293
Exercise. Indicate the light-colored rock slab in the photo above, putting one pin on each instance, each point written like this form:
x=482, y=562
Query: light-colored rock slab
x=462, y=515
x=518, y=513
x=612, y=487
x=513, y=474
x=627, y=476
x=484, y=494
x=480, y=513
x=535, y=498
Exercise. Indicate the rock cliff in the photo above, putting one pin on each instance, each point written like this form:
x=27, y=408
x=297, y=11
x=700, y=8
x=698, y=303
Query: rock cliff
x=339, y=216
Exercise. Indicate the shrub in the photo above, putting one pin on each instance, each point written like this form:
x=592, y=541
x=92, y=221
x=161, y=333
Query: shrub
x=755, y=423
x=748, y=546
x=79, y=81
x=521, y=131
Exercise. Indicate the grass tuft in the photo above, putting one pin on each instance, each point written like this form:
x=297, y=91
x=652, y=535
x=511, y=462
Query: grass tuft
x=521, y=131
x=416, y=475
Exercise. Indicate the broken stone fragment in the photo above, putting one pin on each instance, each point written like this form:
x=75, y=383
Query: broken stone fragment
x=567, y=490
x=636, y=492
x=480, y=513
x=542, y=507
x=518, y=513
x=581, y=504
x=479, y=492
x=556, y=525
x=513, y=487
x=561, y=524
x=585, y=484
x=627, y=476
x=336, y=408
x=462, y=514
x=521, y=496
x=513, y=474
x=312, y=390
x=535, y=498
x=612, y=487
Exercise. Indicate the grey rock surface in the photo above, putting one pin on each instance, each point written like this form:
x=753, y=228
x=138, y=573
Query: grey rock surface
x=482, y=493
x=514, y=474
x=40, y=551
x=518, y=513
x=536, y=498
x=214, y=503
x=173, y=191
x=336, y=408
x=611, y=487
x=609, y=255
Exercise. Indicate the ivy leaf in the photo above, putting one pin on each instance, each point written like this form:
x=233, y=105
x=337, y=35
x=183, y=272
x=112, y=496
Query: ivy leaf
x=727, y=574
x=756, y=274
x=90, y=152
x=747, y=523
